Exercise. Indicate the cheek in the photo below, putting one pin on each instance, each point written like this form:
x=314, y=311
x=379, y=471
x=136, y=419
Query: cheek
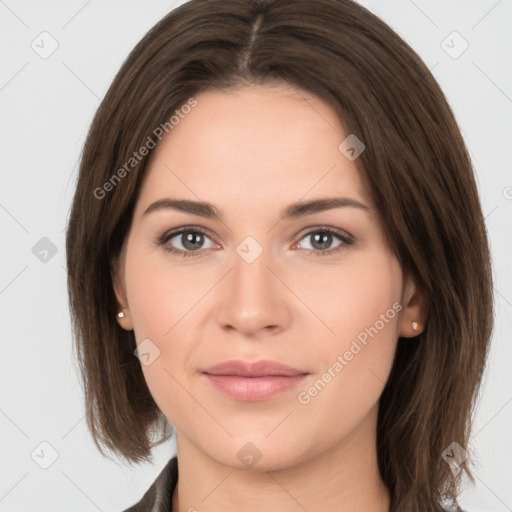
x=364, y=314
x=158, y=298
x=349, y=299
x=162, y=302
x=370, y=332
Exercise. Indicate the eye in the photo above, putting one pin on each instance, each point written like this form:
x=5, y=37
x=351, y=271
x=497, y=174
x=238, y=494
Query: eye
x=187, y=241
x=321, y=240
x=190, y=241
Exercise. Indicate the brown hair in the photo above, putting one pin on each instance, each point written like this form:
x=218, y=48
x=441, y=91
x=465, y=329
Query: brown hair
x=415, y=165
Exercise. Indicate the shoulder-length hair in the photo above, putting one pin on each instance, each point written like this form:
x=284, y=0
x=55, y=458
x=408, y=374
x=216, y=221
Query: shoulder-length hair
x=415, y=165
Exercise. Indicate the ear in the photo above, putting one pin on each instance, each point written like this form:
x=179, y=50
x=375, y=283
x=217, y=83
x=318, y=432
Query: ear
x=414, y=309
x=119, y=285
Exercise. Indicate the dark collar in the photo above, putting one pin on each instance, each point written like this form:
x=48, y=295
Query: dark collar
x=158, y=498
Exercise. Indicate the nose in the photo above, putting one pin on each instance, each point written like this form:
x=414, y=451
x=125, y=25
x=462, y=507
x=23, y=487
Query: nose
x=254, y=302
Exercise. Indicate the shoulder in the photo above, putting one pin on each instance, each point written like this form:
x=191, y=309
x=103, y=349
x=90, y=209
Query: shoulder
x=158, y=498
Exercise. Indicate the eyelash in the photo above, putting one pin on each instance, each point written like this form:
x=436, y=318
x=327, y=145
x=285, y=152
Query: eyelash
x=162, y=241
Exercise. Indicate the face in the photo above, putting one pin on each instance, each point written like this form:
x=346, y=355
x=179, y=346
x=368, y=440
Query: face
x=261, y=276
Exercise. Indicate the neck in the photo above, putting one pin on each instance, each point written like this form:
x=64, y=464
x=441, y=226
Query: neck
x=342, y=479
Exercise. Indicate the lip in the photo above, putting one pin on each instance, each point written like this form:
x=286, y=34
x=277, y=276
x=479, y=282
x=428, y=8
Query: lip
x=253, y=381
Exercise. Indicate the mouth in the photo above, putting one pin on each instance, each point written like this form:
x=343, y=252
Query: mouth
x=253, y=382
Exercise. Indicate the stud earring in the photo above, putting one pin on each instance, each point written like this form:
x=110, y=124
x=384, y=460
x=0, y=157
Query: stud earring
x=120, y=314
x=414, y=326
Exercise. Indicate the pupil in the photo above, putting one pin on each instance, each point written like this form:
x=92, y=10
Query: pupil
x=192, y=240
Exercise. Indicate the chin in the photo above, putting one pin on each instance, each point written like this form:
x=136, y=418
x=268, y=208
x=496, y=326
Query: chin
x=257, y=456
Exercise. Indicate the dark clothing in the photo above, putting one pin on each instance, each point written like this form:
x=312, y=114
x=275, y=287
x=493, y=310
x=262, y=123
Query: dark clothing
x=158, y=498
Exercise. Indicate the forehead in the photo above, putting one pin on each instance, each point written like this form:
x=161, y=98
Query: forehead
x=260, y=143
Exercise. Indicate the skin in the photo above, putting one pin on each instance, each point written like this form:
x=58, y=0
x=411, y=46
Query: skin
x=251, y=152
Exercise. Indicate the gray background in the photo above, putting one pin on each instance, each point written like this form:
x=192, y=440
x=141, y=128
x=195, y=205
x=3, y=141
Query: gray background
x=47, y=105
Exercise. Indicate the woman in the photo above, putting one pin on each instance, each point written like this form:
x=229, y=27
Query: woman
x=276, y=246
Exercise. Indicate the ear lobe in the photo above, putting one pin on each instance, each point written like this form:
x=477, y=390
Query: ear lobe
x=414, y=309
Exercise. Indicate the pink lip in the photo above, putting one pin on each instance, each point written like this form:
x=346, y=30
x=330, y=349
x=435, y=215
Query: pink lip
x=253, y=382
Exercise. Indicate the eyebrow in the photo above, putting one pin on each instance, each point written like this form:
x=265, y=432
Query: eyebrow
x=293, y=211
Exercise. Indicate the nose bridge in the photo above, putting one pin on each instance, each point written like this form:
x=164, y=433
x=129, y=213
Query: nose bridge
x=253, y=300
